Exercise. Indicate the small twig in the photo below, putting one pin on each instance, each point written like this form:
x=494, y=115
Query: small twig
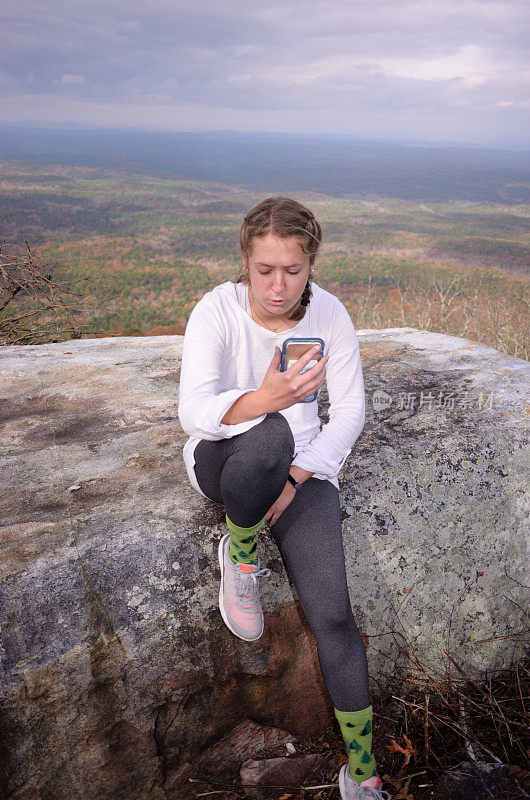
x=262, y=785
x=522, y=585
x=506, y=636
x=426, y=730
x=465, y=720
x=322, y=786
x=415, y=774
x=455, y=727
x=474, y=681
x=519, y=685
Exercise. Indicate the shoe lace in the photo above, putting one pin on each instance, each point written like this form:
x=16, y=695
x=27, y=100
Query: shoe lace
x=247, y=587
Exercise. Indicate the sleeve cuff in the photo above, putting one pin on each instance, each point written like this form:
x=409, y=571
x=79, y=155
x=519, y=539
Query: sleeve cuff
x=308, y=464
x=227, y=431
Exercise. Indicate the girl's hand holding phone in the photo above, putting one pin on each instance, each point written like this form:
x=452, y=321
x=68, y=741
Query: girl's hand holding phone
x=281, y=390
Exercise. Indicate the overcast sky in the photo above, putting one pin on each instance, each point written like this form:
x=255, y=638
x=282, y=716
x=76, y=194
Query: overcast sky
x=454, y=70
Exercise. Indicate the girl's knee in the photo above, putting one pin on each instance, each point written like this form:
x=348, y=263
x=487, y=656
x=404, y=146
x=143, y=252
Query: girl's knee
x=264, y=452
x=271, y=439
x=276, y=426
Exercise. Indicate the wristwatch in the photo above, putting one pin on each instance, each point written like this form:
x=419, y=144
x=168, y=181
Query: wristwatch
x=294, y=482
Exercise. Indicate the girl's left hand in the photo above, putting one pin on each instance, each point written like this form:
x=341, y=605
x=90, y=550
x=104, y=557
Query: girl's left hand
x=280, y=504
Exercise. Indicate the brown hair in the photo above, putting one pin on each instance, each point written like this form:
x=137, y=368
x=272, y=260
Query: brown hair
x=282, y=217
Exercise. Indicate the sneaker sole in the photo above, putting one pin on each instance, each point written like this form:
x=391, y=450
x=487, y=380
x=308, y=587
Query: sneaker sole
x=221, y=602
x=342, y=780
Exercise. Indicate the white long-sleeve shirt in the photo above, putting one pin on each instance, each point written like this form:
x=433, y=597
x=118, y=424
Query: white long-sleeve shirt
x=226, y=354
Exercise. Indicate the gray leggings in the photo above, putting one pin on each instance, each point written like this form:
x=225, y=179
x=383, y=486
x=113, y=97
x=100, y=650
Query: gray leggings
x=247, y=473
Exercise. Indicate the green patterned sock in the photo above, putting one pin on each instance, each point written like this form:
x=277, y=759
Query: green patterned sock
x=243, y=542
x=356, y=729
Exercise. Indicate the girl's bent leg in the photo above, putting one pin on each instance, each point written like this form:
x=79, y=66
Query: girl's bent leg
x=247, y=472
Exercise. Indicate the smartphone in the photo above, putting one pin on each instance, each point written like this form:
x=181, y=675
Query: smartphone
x=293, y=349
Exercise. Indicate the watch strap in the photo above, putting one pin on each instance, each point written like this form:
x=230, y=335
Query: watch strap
x=294, y=482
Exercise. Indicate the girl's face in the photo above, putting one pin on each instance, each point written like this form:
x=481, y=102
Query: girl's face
x=278, y=270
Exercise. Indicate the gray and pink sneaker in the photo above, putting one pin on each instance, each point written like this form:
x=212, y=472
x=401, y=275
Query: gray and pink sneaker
x=371, y=789
x=239, y=594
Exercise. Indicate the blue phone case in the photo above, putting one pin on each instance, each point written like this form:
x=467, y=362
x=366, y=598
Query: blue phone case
x=302, y=339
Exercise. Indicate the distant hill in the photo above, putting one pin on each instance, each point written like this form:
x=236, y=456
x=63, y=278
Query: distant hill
x=153, y=245
x=274, y=163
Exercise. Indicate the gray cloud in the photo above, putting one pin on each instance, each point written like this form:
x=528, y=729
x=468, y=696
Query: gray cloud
x=390, y=59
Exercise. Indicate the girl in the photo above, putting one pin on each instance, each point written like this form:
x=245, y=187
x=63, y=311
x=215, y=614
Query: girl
x=258, y=450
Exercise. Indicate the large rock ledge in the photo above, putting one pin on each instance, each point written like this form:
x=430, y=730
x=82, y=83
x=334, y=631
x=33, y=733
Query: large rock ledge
x=116, y=667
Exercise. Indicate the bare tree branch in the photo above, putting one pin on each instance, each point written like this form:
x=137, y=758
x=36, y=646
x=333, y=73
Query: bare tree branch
x=33, y=306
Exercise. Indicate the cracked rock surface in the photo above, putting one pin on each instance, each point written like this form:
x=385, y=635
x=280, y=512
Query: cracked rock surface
x=117, y=672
